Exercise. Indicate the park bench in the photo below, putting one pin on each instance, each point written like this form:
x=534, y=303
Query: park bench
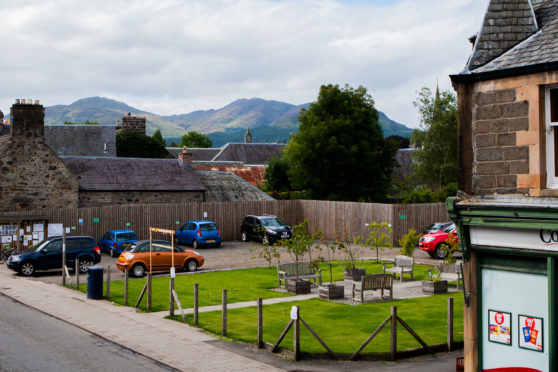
x=401, y=265
x=448, y=272
x=305, y=271
x=374, y=282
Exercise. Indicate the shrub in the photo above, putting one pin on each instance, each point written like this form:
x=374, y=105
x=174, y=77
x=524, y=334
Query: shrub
x=408, y=242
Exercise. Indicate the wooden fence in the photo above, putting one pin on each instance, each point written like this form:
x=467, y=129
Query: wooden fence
x=328, y=216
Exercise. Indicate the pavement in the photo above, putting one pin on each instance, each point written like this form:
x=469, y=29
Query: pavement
x=180, y=346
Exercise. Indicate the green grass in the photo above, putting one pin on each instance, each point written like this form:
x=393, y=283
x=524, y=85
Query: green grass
x=241, y=285
x=343, y=327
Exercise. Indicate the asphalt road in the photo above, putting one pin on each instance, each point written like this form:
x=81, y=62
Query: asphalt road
x=33, y=341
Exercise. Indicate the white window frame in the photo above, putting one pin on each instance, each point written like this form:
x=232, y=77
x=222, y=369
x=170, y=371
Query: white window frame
x=550, y=127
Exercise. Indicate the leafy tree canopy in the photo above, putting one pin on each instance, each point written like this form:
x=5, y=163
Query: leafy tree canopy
x=196, y=140
x=339, y=152
x=158, y=136
x=436, y=162
x=276, y=175
x=131, y=144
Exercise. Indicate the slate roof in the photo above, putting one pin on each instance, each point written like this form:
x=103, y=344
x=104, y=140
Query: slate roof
x=126, y=174
x=226, y=186
x=198, y=154
x=249, y=153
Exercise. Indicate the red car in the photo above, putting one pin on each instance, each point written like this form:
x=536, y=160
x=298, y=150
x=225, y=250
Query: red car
x=432, y=242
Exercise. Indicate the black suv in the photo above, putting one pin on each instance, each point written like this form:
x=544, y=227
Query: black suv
x=48, y=255
x=267, y=229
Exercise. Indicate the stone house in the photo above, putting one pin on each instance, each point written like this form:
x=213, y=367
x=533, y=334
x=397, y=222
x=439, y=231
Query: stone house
x=507, y=218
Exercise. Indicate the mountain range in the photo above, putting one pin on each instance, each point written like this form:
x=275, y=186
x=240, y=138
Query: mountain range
x=269, y=121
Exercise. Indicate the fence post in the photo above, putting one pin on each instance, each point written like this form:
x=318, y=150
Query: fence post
x=63, y=257
x=393, y=332
x=125, y=287
x=450, y=324
x=260, y=324
x=296, y=335
x=148, y=291
x=77, y=273
x=224, y=314
x=171, y=298
x=108, y=281
x=195, y=304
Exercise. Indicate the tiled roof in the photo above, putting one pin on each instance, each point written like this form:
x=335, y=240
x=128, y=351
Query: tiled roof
x=249, y=153
x=516, y=45
x=122, y=174
x=254, y=175
x=226, y=186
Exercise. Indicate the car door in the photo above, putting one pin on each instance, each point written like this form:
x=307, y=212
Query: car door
x=106, y=241
x=181, y=233
x=73, y=248
x=191, y=233
x=51, y=256
x=257, y=229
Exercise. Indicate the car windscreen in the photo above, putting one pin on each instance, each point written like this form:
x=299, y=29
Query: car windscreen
x=208, y=226
x=449, y=228
x=126, y=236
x=272, y=222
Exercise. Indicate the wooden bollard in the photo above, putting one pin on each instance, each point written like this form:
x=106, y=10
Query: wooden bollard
x=77, y=273
x=171, y=298
x=148, y=291
x=393, y=332
x=224, y=314
x=260, y=343
x=125, y=287
x=450, y=324
x=195, y=304
x=296, y=335
x=108, y=281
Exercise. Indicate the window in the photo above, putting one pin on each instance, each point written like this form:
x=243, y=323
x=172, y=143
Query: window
x=551, y=126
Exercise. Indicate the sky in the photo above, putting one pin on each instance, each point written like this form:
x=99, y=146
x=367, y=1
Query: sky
x=173, y=57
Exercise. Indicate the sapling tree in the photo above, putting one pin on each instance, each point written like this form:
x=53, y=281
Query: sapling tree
x=300, y=243
x=379, y=237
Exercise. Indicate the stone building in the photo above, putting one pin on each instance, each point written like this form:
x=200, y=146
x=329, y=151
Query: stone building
x=31, y=175
x=508, y=220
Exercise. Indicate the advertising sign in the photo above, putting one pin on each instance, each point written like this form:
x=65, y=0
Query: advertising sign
x=499, y=327
x=530, y=333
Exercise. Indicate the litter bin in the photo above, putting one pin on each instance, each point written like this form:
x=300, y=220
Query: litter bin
x=95, y=283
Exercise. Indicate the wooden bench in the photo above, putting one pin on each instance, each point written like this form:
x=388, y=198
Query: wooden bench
x=448, y=272
x=305, y=271
x=401, y=265
x=374, y=282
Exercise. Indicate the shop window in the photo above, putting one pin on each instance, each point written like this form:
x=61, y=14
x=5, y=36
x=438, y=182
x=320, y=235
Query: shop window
x=551, y=124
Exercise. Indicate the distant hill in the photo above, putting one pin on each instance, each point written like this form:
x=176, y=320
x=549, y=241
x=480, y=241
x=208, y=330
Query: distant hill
x=269, y=121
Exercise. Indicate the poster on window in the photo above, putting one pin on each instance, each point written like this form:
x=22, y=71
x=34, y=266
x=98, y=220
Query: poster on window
x=530, y=333
x=499, y=327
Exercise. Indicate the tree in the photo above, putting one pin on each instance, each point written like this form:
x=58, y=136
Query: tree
x=379, y=236
x=339, y=152
x=157, y=136
x=195, y=139
x=435, y=163
x=276, y=175
x=131, y=144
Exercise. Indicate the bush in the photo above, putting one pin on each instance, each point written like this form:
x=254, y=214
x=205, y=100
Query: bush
x=408, y=242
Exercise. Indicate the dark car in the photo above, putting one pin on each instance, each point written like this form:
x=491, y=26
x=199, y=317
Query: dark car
x=437, y=226
x=198, y=233
x=115, y=241
x=267, y=229
x=48, y=255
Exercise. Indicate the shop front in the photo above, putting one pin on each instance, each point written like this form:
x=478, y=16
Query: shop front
x=510, y=251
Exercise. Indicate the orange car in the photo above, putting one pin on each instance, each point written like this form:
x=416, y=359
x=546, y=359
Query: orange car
x=136, y=258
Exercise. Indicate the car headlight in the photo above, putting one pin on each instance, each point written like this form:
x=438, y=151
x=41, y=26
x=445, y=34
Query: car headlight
x=428, y=239
x=14, y=258
x=271, y=232
x=197, y=253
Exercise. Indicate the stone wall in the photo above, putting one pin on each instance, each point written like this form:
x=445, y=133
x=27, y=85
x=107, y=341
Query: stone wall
x=104, y=198
x=31, y=175
x=134, y=123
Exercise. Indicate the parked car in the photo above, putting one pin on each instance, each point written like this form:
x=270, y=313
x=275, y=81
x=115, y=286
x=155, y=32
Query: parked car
x=267, y=229
x=437, y=226
x=115, y=241
x=48, y=255
x=198, y=233
x=136, y=258
x=432, y=242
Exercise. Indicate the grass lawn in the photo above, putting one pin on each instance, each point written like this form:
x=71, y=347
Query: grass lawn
x=241, y=285
x=343, y=327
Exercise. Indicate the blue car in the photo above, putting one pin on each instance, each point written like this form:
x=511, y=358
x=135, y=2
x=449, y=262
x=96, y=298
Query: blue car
x=115, y=241
x=198, y=233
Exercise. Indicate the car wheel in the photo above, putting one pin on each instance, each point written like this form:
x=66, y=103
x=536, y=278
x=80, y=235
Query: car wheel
x=265, y=240
x=244, y=236
x=439, y=253
x=27, y=269
x=112, y=252
x=138, y=270
x=191, y=265
x=195, y=244
x=84, y=264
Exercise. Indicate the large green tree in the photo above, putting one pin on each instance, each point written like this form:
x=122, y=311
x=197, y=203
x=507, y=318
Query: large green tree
x=131, y=144
x=196, y=140
x=435, y=162
x=158, y=136
x=339, y=152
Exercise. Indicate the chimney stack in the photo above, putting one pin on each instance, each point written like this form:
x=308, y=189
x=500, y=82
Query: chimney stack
x=185, y=157
x=28, y=119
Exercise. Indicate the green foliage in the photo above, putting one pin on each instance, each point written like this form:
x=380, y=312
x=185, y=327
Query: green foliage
x=300, y=243
x=131, y=144
x=339, y=152
x=349, y=248
x=276, y=177
x=436, y=162
x=379, y=237
x=451, y=245
x=408, y=242
x=87, y=122
x=420, y=195
x=157, y=136
x=267, y=252
x=196, y=140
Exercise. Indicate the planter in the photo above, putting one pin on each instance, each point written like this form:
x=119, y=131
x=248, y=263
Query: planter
x=354, y=274
x=332, y=291
x=298, y=286
x=429, y=286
